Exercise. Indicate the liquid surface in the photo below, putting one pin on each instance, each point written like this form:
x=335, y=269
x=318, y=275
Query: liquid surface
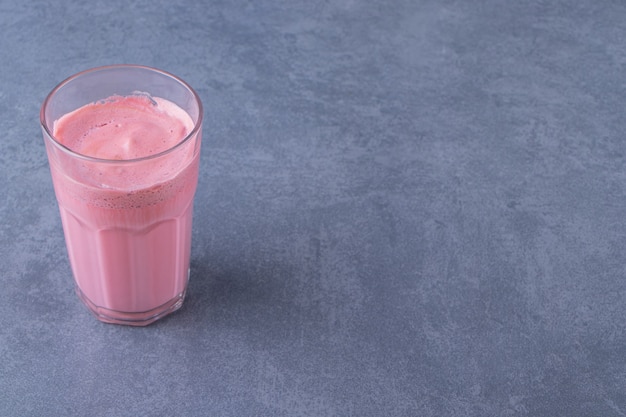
x=119, y=130
x=122, y=128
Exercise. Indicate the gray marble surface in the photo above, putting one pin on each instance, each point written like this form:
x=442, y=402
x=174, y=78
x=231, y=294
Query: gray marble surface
x=406, y=208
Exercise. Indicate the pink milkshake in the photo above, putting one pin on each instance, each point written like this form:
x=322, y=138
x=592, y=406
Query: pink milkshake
x=125, y=169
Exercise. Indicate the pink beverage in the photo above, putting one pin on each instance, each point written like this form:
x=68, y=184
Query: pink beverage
x=124, y=160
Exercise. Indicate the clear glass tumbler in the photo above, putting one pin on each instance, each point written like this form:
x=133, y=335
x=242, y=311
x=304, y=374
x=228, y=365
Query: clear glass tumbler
x=127, y=221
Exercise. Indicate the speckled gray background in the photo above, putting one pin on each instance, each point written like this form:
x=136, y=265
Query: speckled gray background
x=406, y=208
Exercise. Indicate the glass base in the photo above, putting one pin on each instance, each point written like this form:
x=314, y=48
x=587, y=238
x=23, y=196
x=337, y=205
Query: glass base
x=142, y=318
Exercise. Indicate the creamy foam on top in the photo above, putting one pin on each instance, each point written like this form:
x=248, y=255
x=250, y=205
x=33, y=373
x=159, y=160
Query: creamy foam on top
x=123, y=127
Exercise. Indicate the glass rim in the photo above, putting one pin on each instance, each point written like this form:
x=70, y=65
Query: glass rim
x=78, y=155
